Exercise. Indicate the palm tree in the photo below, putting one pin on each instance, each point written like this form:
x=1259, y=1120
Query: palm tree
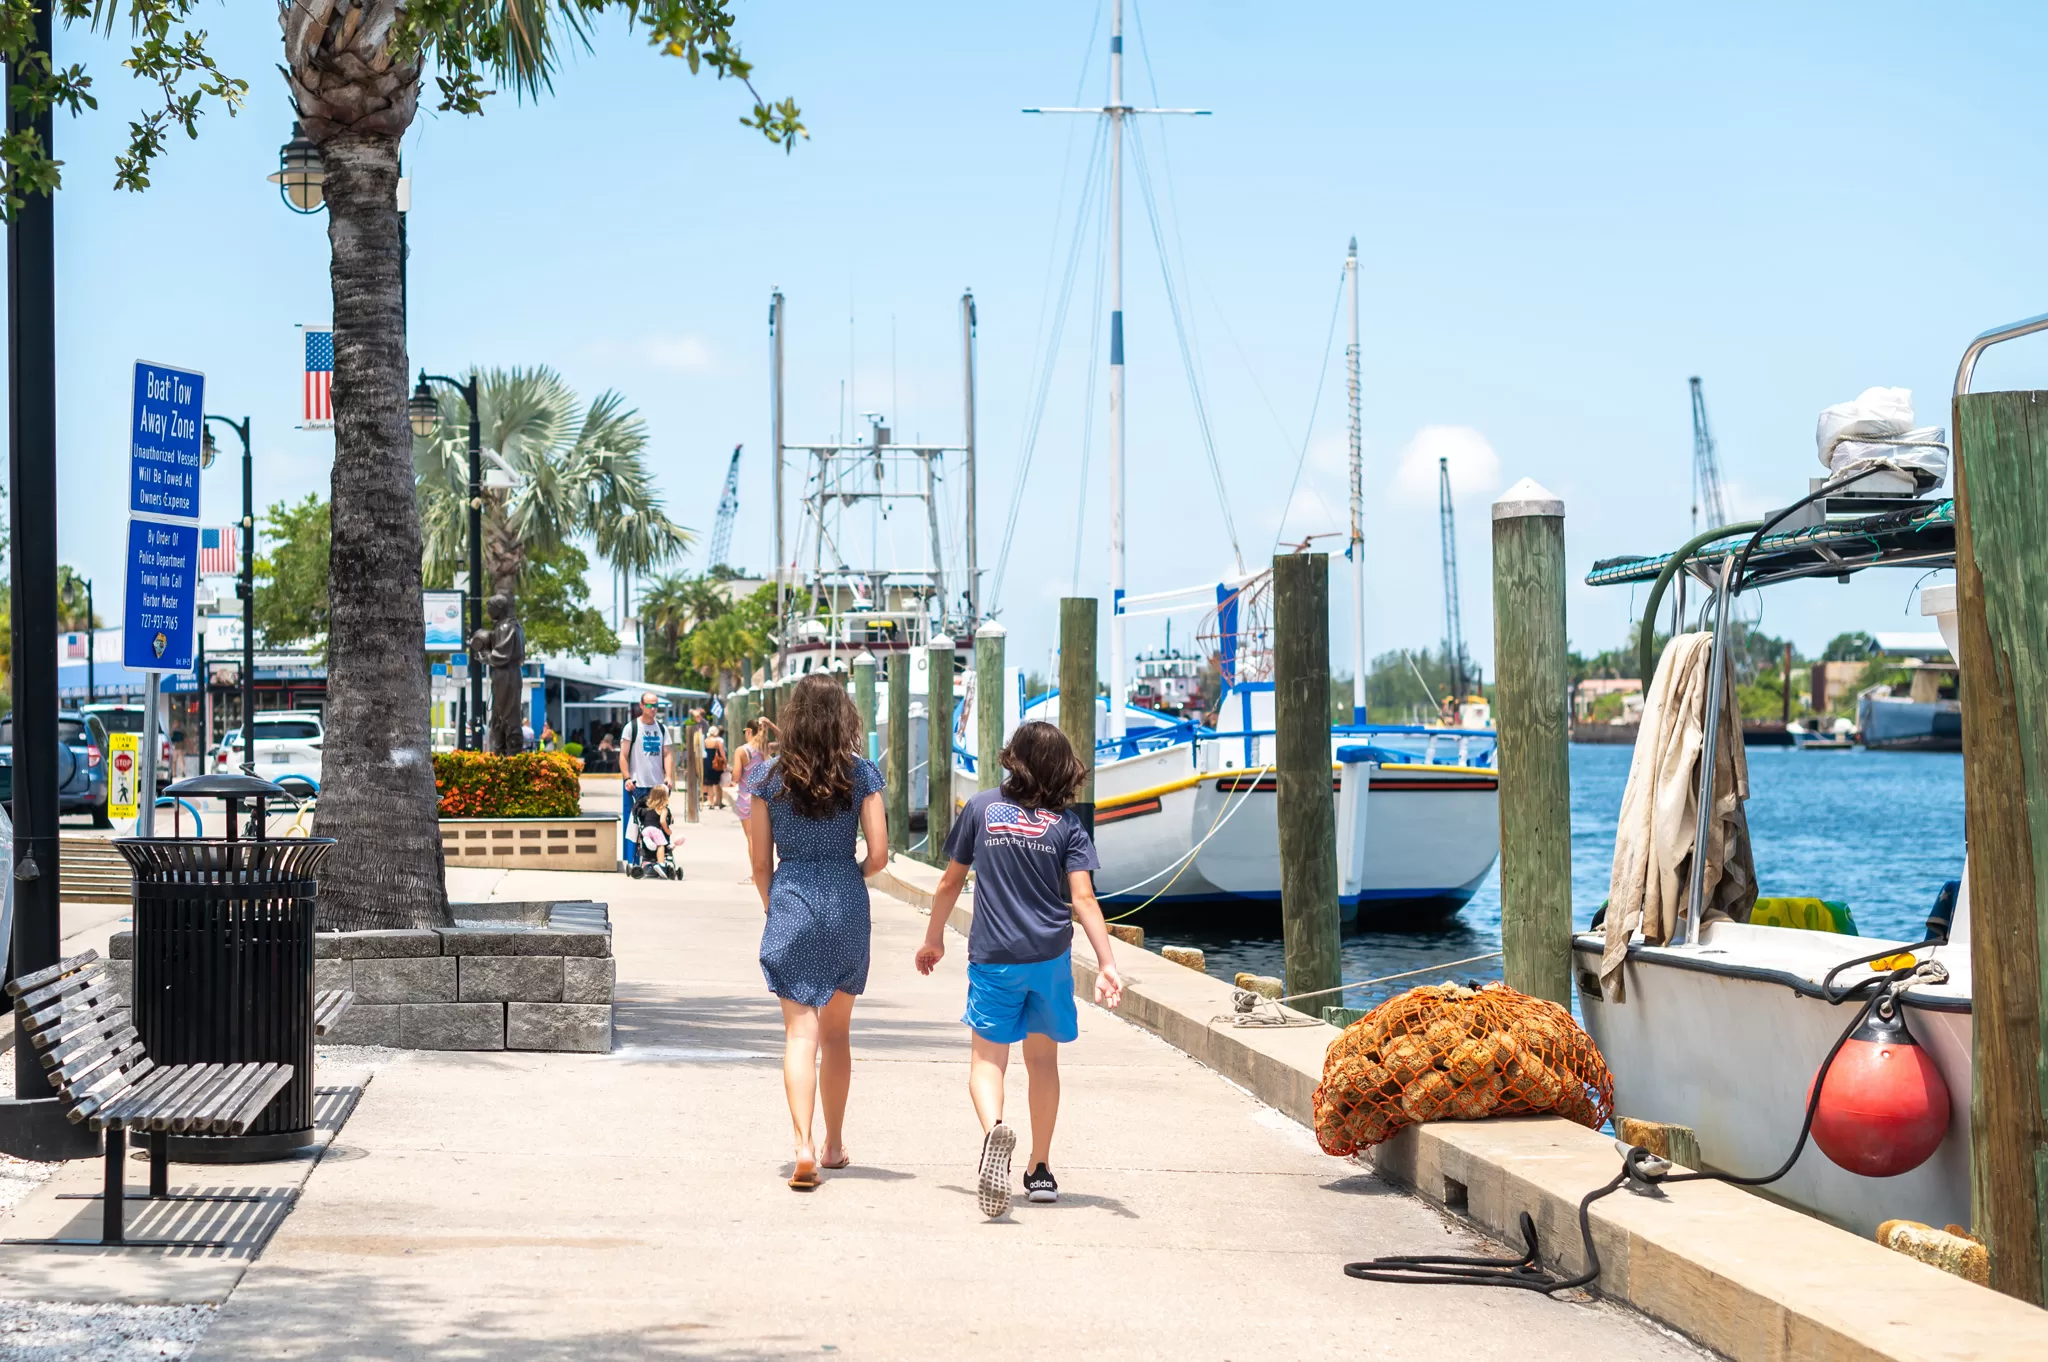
x=354, y=68
x=571, y=476
x=672, y=606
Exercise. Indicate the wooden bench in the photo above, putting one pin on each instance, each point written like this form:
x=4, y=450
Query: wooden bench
x=73, y=1015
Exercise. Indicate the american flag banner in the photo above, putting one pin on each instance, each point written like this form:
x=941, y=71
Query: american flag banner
x=219, y=551
x=319, y=378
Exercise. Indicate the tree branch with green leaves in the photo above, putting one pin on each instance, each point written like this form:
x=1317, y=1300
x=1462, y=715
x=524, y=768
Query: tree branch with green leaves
x=466, y=43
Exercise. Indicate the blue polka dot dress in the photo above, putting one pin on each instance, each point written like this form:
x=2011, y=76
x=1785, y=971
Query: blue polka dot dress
x=816, y=940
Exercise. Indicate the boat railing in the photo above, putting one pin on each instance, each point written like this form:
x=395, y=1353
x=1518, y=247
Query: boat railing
x=1444, y=746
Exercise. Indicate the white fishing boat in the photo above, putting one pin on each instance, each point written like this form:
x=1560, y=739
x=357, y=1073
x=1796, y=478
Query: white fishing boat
x=1189, y=814
x=1722, y=1025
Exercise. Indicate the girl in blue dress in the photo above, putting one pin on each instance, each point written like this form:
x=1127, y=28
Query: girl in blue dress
x=808, y=802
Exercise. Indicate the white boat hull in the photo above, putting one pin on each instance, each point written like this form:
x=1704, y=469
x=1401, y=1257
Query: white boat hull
x=1431, y=834
x=1716, y=1038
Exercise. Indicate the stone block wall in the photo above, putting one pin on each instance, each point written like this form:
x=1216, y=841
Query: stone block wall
x=507, y=976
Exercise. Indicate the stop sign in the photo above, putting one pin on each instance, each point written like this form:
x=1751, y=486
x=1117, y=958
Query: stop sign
x=124, y=762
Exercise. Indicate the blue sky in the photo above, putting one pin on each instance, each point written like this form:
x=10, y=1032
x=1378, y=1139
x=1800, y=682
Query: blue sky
x=1563, y=212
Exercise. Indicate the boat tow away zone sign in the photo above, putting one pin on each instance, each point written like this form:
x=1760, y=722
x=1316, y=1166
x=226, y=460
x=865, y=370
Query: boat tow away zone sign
x=163, y=442
x=163, y=517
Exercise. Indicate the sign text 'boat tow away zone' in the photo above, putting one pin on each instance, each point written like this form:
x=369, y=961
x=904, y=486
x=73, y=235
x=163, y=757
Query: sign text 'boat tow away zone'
x=163, y=518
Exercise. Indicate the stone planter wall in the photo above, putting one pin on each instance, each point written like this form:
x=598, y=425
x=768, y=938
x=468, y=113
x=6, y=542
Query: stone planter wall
x=590, y=842
x=508, y=976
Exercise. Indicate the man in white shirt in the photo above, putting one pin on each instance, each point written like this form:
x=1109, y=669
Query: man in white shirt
x=647, y=755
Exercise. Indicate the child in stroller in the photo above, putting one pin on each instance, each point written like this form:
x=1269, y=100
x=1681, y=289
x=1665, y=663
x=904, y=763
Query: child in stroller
x=651, y=817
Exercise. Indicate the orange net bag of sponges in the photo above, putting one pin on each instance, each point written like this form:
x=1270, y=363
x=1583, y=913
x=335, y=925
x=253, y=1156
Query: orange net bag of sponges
x=1450, y=1053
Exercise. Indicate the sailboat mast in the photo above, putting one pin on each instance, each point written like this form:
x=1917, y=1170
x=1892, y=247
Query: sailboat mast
x=1116, y=371
x=1115, y=111
x=1357, y=550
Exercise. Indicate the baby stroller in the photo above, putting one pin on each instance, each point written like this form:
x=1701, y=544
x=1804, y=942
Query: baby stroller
x=650, y=830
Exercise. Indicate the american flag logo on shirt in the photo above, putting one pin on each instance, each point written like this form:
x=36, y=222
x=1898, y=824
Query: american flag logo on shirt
x=319, y=378
x=1032, y=823
x=217, y=551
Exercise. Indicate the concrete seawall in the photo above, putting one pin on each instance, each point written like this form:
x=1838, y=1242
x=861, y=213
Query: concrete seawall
x=1742, y=1275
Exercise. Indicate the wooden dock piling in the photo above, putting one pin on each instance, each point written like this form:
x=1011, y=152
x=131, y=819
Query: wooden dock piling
x=1077, y=690
x=864, y=700
x=2002, y=616
x=1532, y=712
x=990, y=702
x=897, y=770
x=693, y=772
x=1309, y=913
x=938, y=747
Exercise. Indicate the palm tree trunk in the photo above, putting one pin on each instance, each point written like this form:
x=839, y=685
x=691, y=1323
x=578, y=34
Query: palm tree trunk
x=504, y=560
x=377, y=799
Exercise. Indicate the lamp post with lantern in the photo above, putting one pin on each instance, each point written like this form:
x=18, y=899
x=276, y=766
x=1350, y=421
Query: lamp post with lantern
x=245, y=582
x=75, y=587
x=425, y=413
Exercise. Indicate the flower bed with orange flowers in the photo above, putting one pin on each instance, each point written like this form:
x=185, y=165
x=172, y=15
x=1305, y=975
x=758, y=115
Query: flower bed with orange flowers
x=516, y=785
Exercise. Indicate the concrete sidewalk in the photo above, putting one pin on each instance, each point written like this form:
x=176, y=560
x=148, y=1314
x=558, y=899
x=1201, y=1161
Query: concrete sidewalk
x=527, y=1206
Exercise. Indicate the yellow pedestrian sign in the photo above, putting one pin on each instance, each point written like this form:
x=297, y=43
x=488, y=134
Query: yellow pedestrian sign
x=124, y=774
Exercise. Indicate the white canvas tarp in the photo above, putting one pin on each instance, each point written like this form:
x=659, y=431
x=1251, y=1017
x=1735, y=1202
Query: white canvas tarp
x=1653, y=844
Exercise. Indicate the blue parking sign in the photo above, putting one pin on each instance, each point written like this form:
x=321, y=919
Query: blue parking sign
x=163, y=581
x=163, y=441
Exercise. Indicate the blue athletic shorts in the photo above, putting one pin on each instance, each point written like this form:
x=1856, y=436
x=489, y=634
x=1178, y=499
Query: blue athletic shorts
x=1006, y=1003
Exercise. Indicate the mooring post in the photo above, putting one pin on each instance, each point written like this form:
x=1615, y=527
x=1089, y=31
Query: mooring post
x=864, y=701
x=1077, y=692
x=1532, y=714
x=1309, y=914
x=990, y=704
x=897, y=771
x=938, y=747
x=2002, y=616
x=693, y=773
x=769, y=708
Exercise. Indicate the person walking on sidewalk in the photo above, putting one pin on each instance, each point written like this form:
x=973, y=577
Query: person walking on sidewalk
x=806, y=805
x=1026, y=846
x=646, y=755
x=754, y=749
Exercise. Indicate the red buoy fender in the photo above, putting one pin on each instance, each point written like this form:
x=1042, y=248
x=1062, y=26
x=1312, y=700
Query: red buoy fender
x=1884, y=1107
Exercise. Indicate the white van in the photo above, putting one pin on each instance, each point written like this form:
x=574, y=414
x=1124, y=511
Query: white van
x=287, y=744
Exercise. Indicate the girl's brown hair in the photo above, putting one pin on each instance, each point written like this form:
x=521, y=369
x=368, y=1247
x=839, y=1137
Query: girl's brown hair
x=820, y=738
x=657, y=798
x=1040, y=770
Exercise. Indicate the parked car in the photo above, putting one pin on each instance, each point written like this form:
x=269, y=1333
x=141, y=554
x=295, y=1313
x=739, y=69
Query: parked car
x=118, y=717
x=81, y=765
x=287, y=744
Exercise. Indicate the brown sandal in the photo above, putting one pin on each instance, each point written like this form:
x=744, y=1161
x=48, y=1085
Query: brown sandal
x=845, y=1161
x=805, y=1178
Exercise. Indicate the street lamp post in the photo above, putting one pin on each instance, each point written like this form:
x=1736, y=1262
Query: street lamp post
x=425, y=414
x=72, y=586
x=245, y=585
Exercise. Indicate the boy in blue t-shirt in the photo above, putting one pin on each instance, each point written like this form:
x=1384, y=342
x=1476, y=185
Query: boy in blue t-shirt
x=1025, y=847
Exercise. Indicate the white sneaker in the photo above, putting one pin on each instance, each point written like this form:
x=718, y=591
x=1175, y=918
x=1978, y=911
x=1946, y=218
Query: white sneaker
x=993, y=1191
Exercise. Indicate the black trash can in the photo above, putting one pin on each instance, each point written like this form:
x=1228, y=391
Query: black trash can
x=224, y=961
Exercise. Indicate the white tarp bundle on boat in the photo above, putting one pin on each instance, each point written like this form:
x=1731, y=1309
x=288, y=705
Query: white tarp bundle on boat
x=1875, y=433
x=1653, y=843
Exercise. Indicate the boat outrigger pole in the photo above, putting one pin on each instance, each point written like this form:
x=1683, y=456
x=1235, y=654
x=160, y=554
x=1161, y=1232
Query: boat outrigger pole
x=1356, y=552
x=775, y=309
x=1115, y=111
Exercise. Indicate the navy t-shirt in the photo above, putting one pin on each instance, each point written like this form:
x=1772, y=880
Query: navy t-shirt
x=1021, y=859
